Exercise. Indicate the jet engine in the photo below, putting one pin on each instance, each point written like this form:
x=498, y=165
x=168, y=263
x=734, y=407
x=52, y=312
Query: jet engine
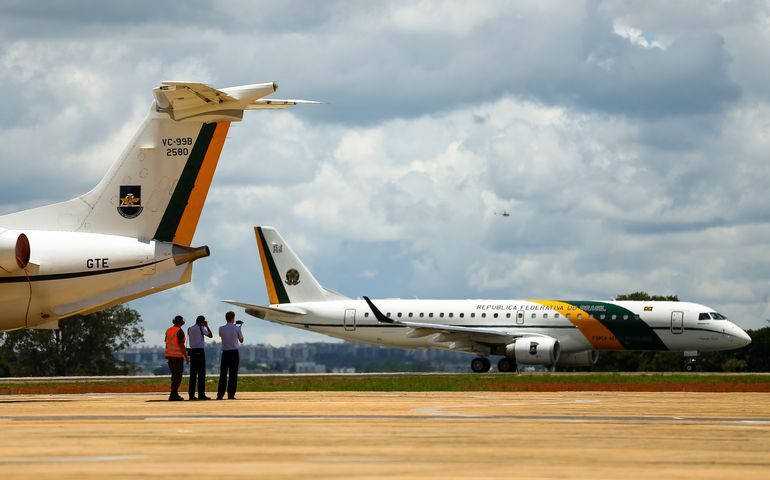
x=534, y=351
x=14, y=251
x=586, y=358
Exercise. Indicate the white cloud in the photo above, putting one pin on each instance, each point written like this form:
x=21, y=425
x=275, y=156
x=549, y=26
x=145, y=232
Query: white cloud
x=627, y=160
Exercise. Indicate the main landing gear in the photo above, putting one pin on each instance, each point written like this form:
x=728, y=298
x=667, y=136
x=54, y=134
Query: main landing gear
x=506, y=365
x=480, y=364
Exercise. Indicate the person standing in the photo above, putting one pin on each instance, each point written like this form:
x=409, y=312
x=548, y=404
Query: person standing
x=197, y=335
x=231, y=336
x=176, y=355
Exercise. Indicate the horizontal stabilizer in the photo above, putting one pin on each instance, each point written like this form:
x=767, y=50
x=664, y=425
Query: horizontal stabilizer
x=263, y=104
x=268, y=313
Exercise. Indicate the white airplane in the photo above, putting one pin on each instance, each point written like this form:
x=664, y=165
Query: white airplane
x=523, y=332
x=130, y=236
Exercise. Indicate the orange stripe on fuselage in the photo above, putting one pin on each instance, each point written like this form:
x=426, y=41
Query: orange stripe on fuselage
x=271, y=293
x=599, y=336
x=192, y=212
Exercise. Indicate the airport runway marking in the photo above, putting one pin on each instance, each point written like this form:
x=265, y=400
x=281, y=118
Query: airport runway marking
x=78, y=459
x=589, y=419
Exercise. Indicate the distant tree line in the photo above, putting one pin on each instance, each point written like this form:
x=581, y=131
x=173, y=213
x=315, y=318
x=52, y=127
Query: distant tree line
x=83, y=345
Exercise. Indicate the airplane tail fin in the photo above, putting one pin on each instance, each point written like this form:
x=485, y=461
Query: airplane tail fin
x=286, y=277
x=157, y=186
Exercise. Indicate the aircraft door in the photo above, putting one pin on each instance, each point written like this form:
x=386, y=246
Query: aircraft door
x=350, y=319
x=520, y=317
x=677, y=322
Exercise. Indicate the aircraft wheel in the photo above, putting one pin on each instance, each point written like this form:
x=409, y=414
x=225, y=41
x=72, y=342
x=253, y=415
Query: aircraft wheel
x=506, y=365
x=480, y=364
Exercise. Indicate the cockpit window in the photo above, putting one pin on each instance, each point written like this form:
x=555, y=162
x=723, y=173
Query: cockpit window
x=704, y=316
x=718, y=316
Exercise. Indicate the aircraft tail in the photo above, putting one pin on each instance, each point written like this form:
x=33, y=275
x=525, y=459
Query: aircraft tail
x=157, y=186
x=286, y=277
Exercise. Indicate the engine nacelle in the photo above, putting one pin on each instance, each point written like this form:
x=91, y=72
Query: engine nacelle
x=534, y=351
x=14, y=251
x=585, y=358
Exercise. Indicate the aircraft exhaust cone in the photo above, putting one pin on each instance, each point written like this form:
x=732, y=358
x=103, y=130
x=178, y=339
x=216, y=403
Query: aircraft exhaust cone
x=184, y=254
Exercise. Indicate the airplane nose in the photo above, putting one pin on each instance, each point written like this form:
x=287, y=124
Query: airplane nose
x=743, y=337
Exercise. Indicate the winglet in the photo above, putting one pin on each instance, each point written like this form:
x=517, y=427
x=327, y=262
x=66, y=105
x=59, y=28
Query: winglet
x=377, y=313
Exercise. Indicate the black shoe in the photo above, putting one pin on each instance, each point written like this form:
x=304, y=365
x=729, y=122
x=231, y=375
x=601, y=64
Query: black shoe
x=176, y=398
x=220, y=398
x=203, y=397
x=192, y=397
x=232, y=398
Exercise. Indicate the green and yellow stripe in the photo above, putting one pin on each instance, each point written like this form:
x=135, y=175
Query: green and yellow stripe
x=186, y=204
x=276, y=292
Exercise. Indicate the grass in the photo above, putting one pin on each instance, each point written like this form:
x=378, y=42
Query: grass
x=419, y=383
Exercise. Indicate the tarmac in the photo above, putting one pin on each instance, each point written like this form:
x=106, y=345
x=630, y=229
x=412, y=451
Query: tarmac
x=388, y=435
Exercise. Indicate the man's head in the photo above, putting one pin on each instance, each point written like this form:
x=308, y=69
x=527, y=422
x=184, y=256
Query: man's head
x=230, y=316
x=178, y=321
x=200, y=320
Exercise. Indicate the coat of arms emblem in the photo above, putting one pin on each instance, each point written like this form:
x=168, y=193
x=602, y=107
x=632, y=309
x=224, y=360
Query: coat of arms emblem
x=130, y=205
x=292, y=277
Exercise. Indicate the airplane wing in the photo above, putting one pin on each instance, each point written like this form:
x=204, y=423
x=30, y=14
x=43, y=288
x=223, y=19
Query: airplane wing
x=449, y=332
x=268, y=313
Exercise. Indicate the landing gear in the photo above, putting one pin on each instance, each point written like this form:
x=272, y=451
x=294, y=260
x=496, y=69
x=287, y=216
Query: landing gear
x=690, y=364
x=506, y=365
x=480, y=364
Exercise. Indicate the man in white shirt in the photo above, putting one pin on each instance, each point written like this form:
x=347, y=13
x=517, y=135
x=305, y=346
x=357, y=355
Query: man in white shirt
x=231, y=336
x=196, y=336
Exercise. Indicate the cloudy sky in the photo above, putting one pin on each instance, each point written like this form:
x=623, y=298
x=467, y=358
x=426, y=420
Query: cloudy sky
x=628, y=140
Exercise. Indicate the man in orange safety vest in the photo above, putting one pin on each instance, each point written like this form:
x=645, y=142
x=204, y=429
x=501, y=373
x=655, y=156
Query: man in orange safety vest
x=176, y=355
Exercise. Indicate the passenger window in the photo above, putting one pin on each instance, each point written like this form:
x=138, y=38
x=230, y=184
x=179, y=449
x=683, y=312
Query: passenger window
x=388, y=314
x=422, y=315
x=399, y=314
x=569, y=315
x=441, y=314
x=507, y=315
x=451, y=315
x=462, y=315
x=636, y=317
x=625, y=317
x=601, y=316
x=580, y=315
x=483, y=315
x=704, y=316
x=545, y=315
x=555, y=315
x=495, y=315
x=430, y=314
x=473, y=315
x=614, y=317
x=411, y=314
x=366, y=314
x=534, y=315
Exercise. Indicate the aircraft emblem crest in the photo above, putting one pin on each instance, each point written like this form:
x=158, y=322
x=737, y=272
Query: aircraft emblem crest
x=130, y=201
x=292, y=277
